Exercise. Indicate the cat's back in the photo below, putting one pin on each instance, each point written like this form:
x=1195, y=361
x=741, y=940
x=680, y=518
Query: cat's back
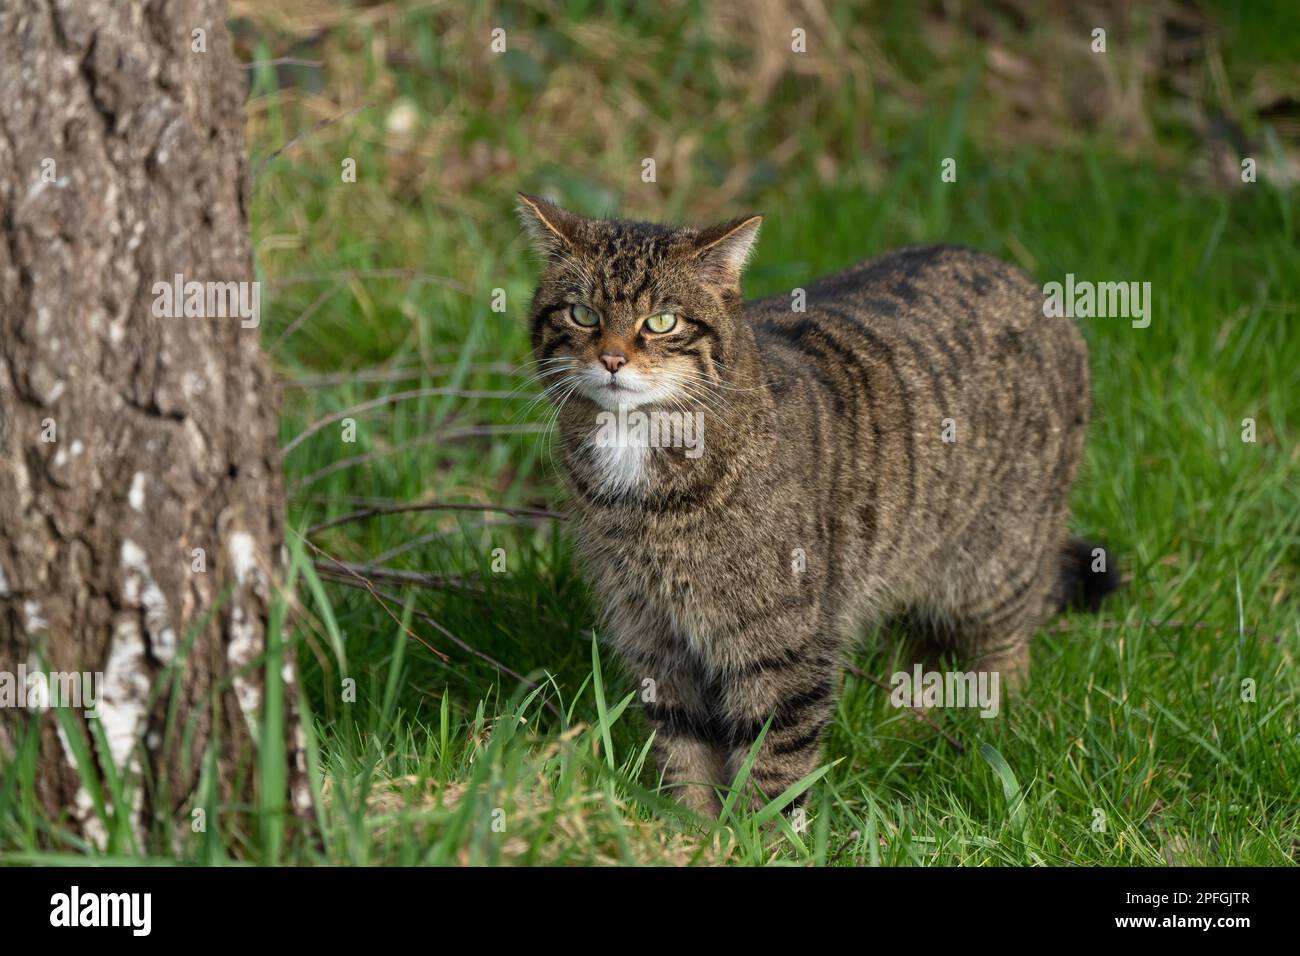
x=943, y=312
x=944, y=286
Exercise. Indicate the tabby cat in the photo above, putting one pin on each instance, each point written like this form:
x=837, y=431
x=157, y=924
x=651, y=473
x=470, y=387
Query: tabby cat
x=899, y=446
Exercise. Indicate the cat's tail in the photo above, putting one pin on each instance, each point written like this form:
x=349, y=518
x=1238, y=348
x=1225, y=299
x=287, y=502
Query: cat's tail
x=1086, y=575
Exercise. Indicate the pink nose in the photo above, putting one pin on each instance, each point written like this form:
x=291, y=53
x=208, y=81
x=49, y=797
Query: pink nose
x=613, y=360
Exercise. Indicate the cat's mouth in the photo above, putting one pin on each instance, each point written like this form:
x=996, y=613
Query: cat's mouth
x=626, y=388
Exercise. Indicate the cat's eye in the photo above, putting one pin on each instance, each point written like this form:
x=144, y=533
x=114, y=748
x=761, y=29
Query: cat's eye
x=661, y=323
x=584, y=316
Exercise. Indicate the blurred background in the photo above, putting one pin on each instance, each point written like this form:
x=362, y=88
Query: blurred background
x=1122, y=165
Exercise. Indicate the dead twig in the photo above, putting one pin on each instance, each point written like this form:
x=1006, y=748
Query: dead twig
x=280, y=61
x=375, y=572
x=374, y=403
x=307, y=314
x=328, y=121
x=1064, y=627
x=373, y=593
x=381, y=595
x=413, y=274
x=418, y=541
x=472, y=431
x=468, y=648
x=432, y=506
x=363, y=376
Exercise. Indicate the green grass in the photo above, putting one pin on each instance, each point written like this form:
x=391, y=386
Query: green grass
x=1135, y=717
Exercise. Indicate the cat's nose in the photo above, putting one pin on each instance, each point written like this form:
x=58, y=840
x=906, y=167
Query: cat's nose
x=613, y=360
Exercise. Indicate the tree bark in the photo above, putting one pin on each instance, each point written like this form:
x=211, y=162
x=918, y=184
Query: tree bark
x=141, y=505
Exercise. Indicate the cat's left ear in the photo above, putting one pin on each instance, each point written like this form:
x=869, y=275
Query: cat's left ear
x=722, y=251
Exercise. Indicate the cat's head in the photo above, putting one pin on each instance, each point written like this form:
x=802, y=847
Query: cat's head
x=630, y=313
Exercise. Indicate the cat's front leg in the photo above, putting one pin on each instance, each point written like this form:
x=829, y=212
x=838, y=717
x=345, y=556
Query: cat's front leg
x=692, y=762
x=691, y=769
x=798, y=695
x=690, y=745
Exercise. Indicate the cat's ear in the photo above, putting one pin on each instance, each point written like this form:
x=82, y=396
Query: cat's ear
x=722, y=251
x=554, y=231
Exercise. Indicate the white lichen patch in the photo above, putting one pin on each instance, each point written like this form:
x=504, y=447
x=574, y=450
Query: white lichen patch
x=140, y=590
x=137, y=234
x=244, y=646
x=135, y=497
x=243, y=555
x=192, y=385
x=4, y=582
x=92, y=828
x=34, y=618
x=63, y=455
x=195, y=442
x=37, y=689
x=123, y=701
x=301, y=788
x=246, y=635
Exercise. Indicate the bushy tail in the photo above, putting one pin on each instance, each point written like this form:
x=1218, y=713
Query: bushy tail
x=1087, y=574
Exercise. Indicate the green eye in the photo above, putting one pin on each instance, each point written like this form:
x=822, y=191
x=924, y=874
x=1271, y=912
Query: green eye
x=661, y=323
x=584, y=316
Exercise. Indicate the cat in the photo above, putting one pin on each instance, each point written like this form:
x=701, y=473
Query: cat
x=899, y=446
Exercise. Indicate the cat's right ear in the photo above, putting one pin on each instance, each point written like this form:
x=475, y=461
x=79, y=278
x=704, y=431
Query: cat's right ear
x=722, y=251
x=554, y=231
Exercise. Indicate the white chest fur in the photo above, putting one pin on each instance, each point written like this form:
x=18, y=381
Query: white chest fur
x=620, y=467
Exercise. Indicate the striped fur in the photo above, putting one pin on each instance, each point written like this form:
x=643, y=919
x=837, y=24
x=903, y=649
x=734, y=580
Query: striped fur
x=825, y=497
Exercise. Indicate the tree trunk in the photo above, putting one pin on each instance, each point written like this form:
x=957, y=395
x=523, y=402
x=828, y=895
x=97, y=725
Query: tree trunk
x=141, y=507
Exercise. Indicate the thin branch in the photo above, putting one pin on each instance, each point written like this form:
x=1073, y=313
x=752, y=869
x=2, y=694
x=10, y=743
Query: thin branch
x=471, y=431
x=307, y=314
x=280, y=61
x=375, y=572
x=361, y=501
x=363, y=376
x=418, y=541
x=380, y=596
x=1064, y=627
x=373, y=593
x=395, y=397
x=413, y=274
x=328, y=121
x=432, y=506
x=428, y=619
